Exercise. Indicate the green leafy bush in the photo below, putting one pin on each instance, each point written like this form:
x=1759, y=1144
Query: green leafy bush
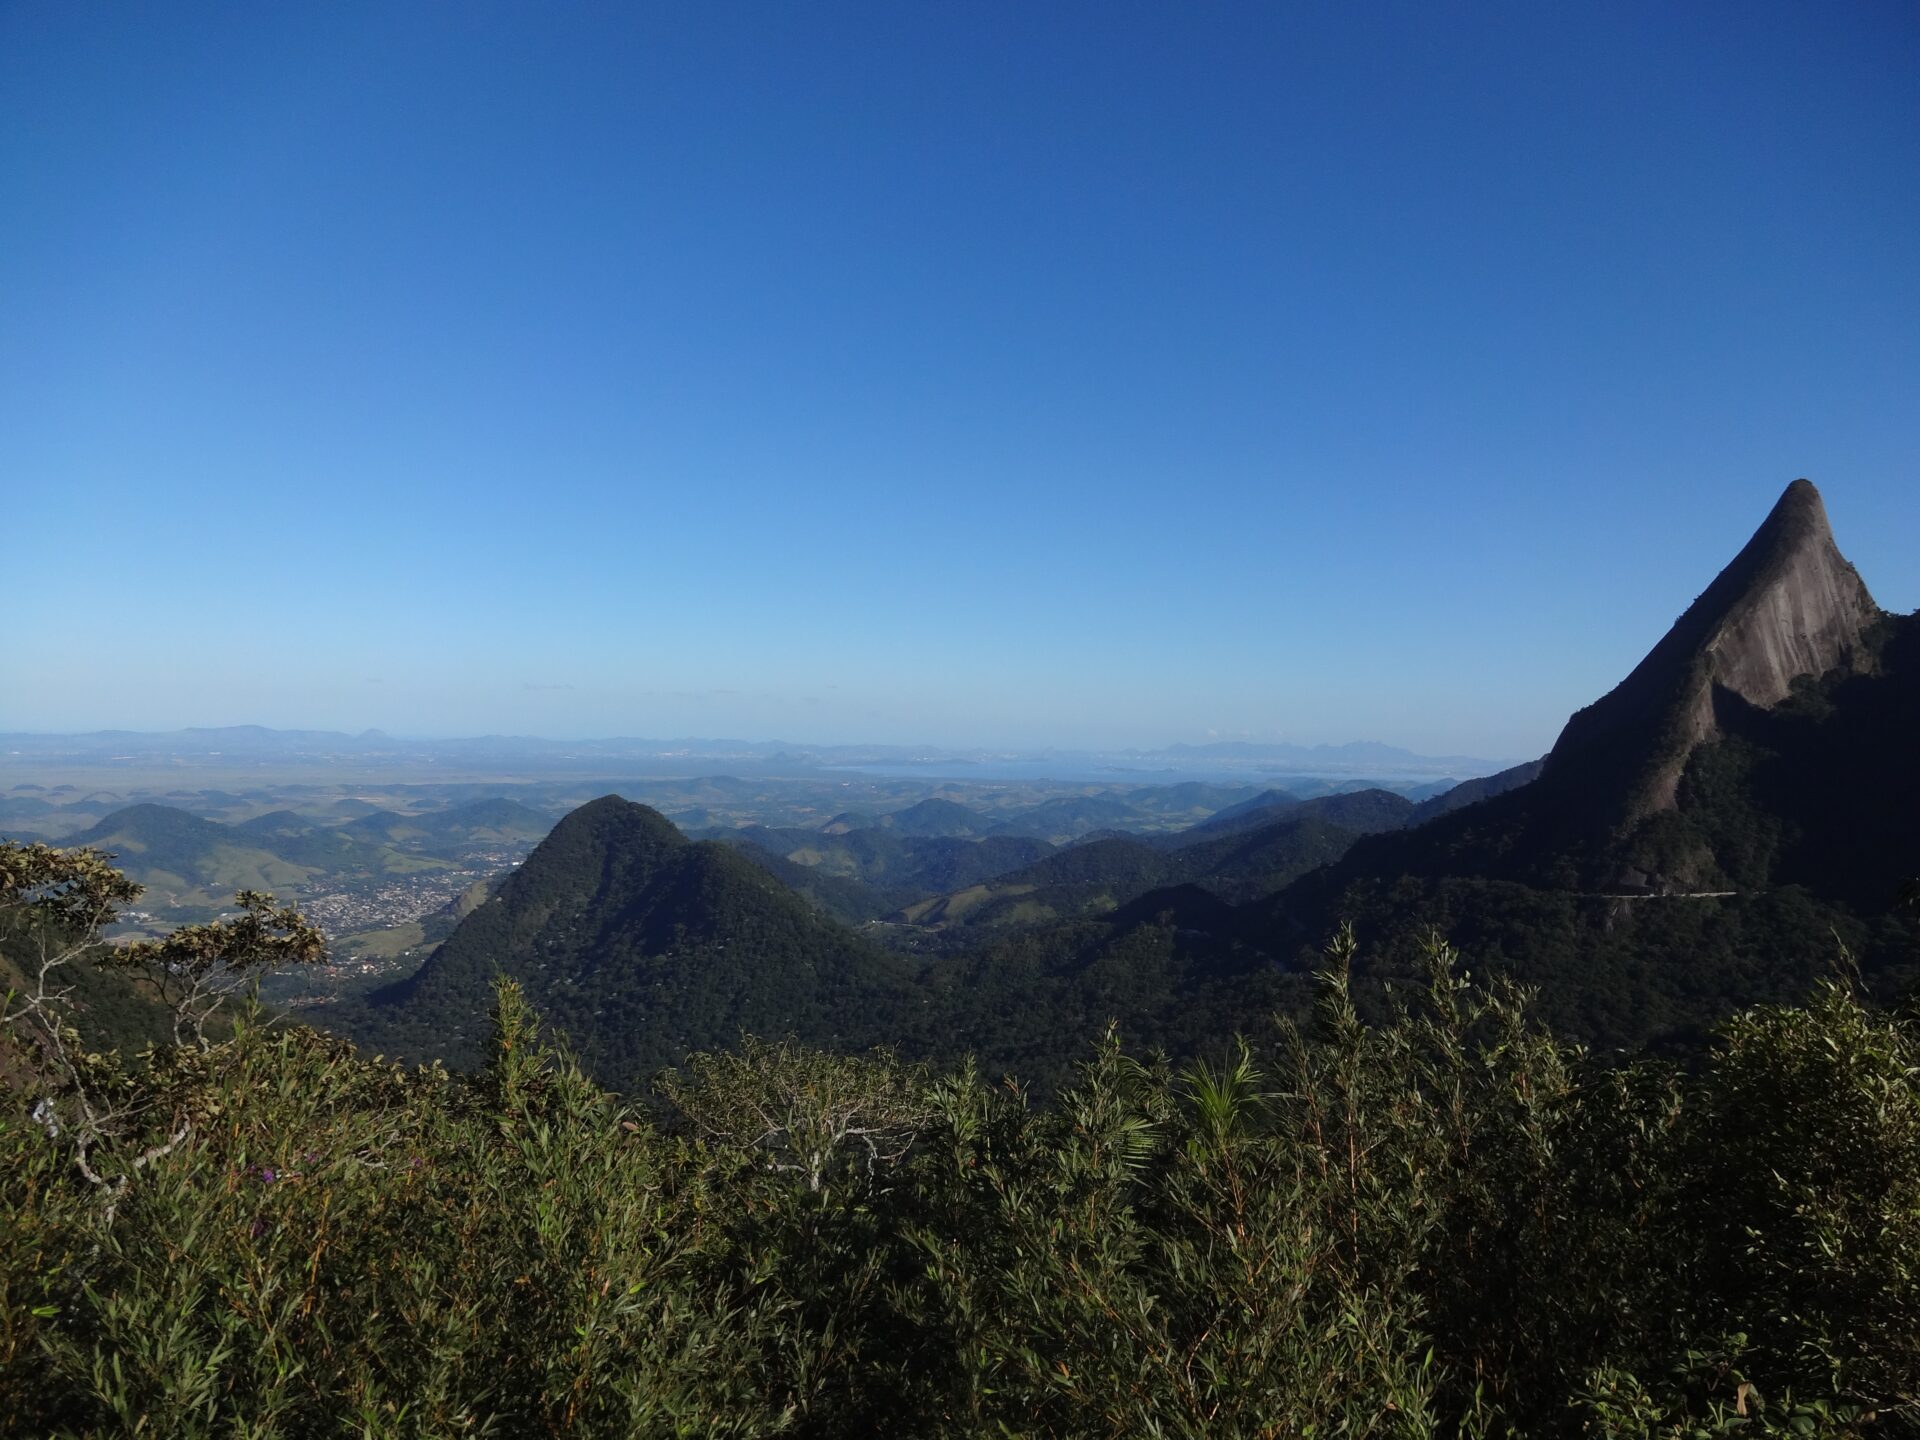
x=1443, y=1223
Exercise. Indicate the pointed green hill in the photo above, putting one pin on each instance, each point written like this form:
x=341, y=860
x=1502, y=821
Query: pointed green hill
x=642, y=946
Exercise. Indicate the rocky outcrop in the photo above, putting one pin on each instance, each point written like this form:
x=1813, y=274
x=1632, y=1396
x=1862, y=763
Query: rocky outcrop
x=1811, y=794
x=1788, y=606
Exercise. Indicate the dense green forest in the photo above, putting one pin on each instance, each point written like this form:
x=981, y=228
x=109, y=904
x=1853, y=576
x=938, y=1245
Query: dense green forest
x=1446, y=1222
x=641, y=946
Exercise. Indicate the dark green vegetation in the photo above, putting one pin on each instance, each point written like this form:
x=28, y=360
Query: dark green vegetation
x=1447, y=1224
x=1362, y=811
x=859, y=867
x=1099, y=877
x=1708, y=836
x=1647, y=891
x=1472, y=792
x=1804, y=813
x=374, y=859
x=641, y=946
x=888, y=869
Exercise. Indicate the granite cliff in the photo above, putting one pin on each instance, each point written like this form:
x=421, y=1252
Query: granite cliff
x=1788, y=606
x=1639, y=794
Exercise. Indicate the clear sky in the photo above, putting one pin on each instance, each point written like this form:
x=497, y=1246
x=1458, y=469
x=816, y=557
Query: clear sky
x=962, y=373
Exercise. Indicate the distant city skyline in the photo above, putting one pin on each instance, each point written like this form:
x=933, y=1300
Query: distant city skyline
x=1089, y=377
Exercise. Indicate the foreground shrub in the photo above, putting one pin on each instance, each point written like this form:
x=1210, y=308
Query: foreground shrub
x=1449, y=1224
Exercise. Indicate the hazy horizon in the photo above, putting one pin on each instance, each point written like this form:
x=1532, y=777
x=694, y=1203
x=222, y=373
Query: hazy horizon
x=1218, y=754
x=816, y=740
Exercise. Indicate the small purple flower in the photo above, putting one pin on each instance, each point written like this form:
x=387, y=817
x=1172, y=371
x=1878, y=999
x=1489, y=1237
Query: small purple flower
x=267, y=1177
x=259, y=1226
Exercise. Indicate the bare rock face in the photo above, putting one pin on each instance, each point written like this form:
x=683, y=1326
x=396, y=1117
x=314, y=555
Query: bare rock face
x=1821, y=795
x=1788, y=606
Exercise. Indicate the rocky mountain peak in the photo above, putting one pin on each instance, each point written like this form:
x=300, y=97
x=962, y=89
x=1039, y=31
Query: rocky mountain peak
x=1789, y=605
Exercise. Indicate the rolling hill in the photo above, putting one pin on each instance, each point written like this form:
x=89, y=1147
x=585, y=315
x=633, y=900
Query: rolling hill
x=1102, y=876
x=936, y=819
x=1472, y=792
x=908, y=866
x=191, y=860
x=188, y=862
x=642, y=946
x=477, y=822
x=1365, y=812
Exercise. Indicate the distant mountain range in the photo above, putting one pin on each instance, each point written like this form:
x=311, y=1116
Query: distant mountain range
x=251, y=745
x=1703, y=837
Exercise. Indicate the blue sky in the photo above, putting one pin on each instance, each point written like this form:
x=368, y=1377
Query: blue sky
x=1104, y=374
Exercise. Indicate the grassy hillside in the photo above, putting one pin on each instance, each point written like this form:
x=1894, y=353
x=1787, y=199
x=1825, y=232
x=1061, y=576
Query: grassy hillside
x=187, y=861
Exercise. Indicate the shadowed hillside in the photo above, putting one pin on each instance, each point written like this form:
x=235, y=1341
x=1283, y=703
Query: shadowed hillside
x=643, y=946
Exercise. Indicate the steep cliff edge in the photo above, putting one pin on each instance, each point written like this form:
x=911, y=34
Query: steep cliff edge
x=1683, y=777
x=1706, y=836
x=1788, y=606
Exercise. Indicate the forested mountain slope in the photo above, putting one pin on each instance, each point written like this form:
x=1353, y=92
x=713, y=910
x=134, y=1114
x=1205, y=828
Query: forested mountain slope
x=642, y=946
x=1100, y=876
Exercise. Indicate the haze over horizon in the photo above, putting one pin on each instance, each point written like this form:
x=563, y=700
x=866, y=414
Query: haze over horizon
x=1098, y=377
x=187, y=741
